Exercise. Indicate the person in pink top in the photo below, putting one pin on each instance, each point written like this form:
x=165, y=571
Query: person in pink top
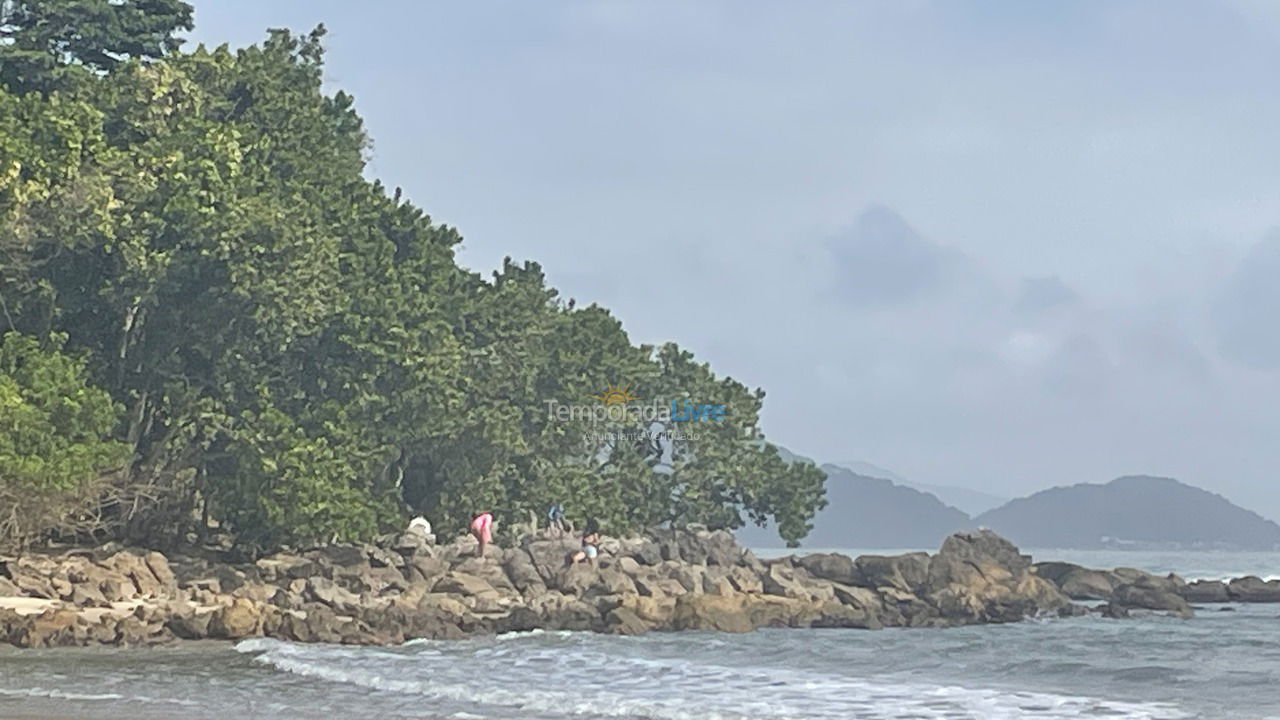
x=482, y=529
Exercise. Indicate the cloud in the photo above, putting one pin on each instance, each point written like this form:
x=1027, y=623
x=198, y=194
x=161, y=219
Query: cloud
x=883, y=261
x=1040, y=294
x=1247, y=305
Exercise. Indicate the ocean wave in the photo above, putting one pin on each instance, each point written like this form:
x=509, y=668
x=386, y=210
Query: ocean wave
x=551, y=682
x=55, y=694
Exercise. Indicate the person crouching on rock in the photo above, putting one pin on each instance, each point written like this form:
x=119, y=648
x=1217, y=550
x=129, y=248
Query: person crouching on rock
x=482, y=530
x=590, y=544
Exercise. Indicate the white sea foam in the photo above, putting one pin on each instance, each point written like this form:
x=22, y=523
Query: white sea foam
x=499, y=680
x=53, y=693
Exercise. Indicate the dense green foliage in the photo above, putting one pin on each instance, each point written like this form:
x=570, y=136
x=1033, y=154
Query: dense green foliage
x=298, y=355
x=55, y=437
x=48, y=41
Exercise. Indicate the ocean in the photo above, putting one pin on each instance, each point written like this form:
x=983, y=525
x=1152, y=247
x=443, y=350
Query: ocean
x=1223, y=664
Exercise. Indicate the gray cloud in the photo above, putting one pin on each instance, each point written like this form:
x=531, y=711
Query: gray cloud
x=1039, y=294
x=1246, y=312
x=881, y=260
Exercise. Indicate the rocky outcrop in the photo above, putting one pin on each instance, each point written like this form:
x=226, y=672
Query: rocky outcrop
x=1253, y=589
x=412, y=588
x=1127, y=589
x=665, y=580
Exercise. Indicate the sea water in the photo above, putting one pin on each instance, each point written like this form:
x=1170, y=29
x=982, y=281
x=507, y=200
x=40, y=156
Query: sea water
x=1224, y=663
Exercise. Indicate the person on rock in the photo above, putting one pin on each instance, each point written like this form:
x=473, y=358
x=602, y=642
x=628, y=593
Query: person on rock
x=555, y=520
x=590, y=543
x=482, y=530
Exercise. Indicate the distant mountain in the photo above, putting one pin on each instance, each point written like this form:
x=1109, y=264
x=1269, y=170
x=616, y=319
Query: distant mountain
x=1136, y=512
x=870, y=512
x=865, y=468
x=972, y=502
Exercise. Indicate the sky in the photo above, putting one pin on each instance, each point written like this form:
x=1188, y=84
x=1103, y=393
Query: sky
x=998, y=245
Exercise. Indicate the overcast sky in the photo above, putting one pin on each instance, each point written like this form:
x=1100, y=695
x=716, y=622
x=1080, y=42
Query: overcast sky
x=996, y=245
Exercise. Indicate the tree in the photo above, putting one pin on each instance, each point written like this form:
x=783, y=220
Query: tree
x=55, y=440
x=43, y=42
x=299, y=356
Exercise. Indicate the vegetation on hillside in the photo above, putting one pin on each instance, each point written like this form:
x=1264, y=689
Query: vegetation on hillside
x=214, y=320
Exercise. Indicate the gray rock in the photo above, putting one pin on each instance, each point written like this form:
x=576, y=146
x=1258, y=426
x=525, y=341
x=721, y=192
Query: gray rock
x=1254, y=590
x=1206, y=591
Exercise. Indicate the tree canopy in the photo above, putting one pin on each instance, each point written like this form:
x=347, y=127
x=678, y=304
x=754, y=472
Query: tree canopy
x=295, y=354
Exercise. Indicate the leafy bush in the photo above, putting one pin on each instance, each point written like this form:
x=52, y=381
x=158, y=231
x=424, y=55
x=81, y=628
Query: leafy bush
x=55, y=439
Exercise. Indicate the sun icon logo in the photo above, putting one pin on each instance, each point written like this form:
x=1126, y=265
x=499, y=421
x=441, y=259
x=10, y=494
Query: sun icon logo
x=616, y=395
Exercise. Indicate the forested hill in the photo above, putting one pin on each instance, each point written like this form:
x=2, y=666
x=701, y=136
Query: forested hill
x=215, y=323
x=869, y=512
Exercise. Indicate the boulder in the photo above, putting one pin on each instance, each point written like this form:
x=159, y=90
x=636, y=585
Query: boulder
x=838, y=615
x=369, y=579
x=734, y=613
x=331, y=594
x=549, y=556
x=189, y=622
x=159, y=566
x=712, y=612
x=51, y=628
x=1253, y=589
x=980, y=577
x=902, y=572
x=1086, y=584
x=240, y=619
x=1076, y=582
x=563, y=612
x=642, y=550
x=8, y=589
x=1149, y=595
x=655, y=611
x=745, y=580
x=522, y=574
x=1206, y=591
x=284, y=567
x=624, y=621
x=461, y=583
x=831, y=566
x=424, y=569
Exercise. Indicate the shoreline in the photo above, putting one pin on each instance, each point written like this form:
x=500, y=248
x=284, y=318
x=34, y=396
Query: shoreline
x=666, y=580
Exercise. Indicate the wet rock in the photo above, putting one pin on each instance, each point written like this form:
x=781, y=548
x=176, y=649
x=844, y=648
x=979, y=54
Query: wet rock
x=1254, y=590
x=1151, y=595
x=1206, y=591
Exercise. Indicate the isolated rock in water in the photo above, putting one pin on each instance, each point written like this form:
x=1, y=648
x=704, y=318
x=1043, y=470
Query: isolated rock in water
x=1255, y=590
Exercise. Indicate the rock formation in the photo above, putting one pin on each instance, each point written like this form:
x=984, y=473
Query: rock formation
x=666, y=580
